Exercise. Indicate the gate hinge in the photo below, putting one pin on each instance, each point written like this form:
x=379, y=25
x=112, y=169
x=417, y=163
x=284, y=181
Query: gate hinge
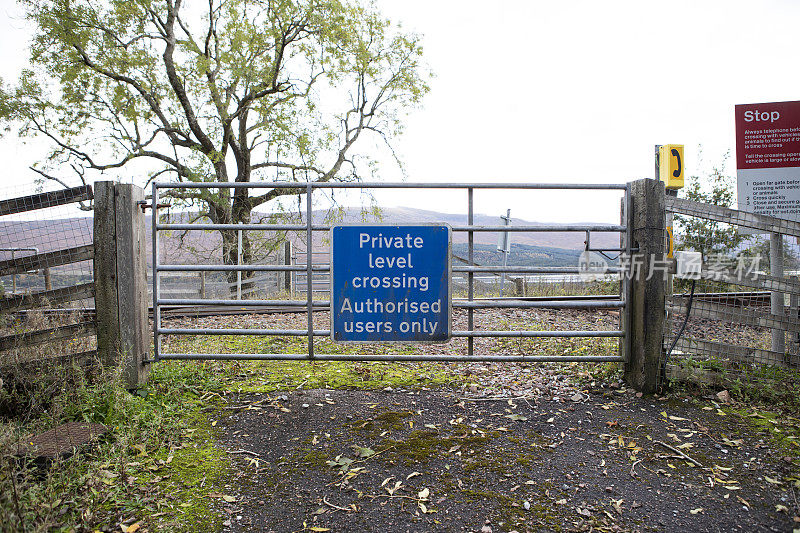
x=144, y=204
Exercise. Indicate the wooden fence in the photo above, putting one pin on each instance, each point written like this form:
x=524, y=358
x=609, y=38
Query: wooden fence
x=45, y=262
x=734, y=333
x=118, y=253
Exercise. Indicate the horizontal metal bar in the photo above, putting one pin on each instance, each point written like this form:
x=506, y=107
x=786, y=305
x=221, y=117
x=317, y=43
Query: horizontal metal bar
x=236, y=268
x=391, y=185
x=554, y=333
x=390, y=357
x=545, y=228
x=529, y=270
x=323, y=227
x=244, y=227
x=327, y=332
x=523, y=304
x=243, y=331
x=240, y=303
x=486, y=303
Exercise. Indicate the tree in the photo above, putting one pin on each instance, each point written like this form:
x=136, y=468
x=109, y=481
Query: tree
x=713, y=238
x=709, y=236
x=238, y=90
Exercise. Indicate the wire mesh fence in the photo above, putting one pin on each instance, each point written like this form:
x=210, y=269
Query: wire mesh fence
x=46, y=272
x=743, y=321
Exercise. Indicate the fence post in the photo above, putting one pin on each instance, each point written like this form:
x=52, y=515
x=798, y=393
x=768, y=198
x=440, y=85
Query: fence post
x=120, y=269
x=647, y=296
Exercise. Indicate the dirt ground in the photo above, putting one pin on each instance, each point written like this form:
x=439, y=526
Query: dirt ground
x=437, y=460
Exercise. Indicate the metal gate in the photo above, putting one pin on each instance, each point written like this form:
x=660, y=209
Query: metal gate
x=470, y=303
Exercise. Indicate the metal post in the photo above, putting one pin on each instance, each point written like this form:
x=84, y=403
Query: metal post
x=13, y=277
x=239, y=263
x=505, y=246
x=155, y=280
x=48, y=281
x=309, y=273
x=470, y=275
x=776, y=297
x=202, y=284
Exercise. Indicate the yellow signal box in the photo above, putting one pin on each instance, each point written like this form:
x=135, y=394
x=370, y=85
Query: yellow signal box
x=670, y=165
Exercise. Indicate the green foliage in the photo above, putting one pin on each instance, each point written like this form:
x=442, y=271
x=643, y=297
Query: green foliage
x=710, y=237
x=146, y=469
x=238, y=90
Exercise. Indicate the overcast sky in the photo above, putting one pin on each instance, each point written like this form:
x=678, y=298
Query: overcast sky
x=564, y=91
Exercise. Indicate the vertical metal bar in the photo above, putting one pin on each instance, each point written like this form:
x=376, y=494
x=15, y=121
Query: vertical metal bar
x=238, y=263
x=156, y=309
x=309, y=273
x=506, y=245
x=470, y=275
x=625, y=315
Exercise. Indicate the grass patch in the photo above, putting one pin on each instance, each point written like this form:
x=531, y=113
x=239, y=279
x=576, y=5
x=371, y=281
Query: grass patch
x=156, y=466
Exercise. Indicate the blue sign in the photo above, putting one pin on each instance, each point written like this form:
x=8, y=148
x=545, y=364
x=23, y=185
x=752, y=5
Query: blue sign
x=390, y=283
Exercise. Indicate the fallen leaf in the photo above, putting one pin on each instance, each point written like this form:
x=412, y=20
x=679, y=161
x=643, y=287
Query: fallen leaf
x=360, y=451
x=677, y=418
x=773, y=481
x=412, y=474
x=695, y=511
x=516, y=416
x=229, y=499
x=423, y=494
x=743, y=501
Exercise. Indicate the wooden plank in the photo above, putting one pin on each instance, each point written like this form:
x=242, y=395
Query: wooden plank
x=32, y=338
x=83, y=359
x=729, y=352
x=46, y=260
x=732, y=216
x=105, y=273
x=646, y=296
x=55, y=296
x=131, y=283
x=758, y=281
x=736, y=315
x=45, y=199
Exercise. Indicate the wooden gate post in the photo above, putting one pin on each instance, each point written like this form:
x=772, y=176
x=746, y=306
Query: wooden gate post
x=120, y=276
x=287, y=260
x=646, y=298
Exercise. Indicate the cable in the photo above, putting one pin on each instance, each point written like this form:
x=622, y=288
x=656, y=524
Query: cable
x=678, y=336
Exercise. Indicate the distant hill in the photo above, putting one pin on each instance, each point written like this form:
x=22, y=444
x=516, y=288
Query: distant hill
x=185, y=247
